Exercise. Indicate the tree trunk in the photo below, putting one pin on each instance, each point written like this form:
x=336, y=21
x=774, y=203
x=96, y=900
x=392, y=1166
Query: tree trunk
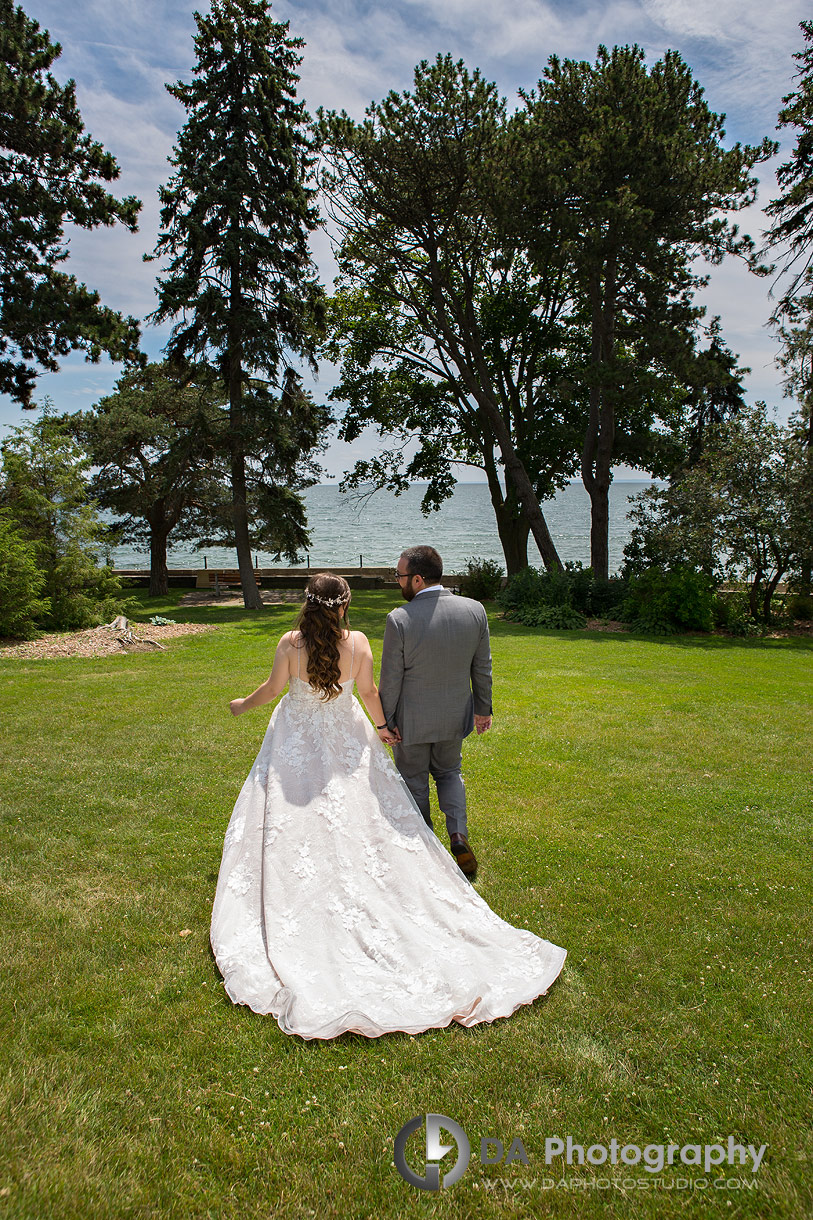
x=596, y=469
x=477, y=380
x=159, y=574
x=515, y=471
x=512, y=525
x=754, y=599
x=526, y=495
x=806, y=562
x=600, y=531
x=242, y=542
x=597, y=453
x=770, y=589
x=513, y=531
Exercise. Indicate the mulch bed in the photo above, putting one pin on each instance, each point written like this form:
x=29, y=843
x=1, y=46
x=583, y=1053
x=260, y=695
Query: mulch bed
x=107, y=641
x=802, y=627
x=99, y=641
x=604, y=624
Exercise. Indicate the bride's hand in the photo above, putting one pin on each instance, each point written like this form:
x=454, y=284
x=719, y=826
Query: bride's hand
x=390, y=737
x=236, y=706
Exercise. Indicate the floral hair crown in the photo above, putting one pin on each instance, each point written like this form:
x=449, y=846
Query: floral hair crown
x=325, y=601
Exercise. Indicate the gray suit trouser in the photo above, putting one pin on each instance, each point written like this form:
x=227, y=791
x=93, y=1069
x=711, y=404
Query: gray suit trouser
x=442, y=760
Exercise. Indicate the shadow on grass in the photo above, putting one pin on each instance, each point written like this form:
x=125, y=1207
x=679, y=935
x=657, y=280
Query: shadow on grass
x=168, y=606
x=368, y=611
x=691, y=640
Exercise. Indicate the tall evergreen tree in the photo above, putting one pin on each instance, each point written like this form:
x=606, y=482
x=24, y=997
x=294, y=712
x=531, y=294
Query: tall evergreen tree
x=50, y=173
x=627, y=165
x=791, y=234
x=234, y=222
x=791, y=212
x=715, y=392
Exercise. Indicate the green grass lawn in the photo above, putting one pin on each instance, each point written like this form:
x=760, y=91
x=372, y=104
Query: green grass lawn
x=643, y=802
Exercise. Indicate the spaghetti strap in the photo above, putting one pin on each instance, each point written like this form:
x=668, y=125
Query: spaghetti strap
x=352, y=652
x=298, y=650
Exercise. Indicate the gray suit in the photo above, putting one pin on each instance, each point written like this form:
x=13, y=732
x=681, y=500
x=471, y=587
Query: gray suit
x=435, y=676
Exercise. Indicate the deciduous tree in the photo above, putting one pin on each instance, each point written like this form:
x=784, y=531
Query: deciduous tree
x=446, y=332
x=743, y=512
x=158, y=445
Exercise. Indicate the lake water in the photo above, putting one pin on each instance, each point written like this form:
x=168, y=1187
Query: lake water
x=344, y=529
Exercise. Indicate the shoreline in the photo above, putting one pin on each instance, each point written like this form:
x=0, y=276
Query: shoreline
x=273, y=578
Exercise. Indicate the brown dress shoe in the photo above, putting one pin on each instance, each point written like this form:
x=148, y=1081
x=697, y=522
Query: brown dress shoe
x=466, y=859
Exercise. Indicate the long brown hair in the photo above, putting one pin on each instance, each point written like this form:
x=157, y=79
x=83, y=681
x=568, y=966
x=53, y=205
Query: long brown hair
x=321, y=630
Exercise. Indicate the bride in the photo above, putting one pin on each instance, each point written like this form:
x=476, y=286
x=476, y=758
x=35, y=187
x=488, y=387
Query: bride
x=337, y=909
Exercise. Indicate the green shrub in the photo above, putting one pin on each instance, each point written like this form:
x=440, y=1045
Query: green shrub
x=481, y=580
x=662, y=602
x=524, y=588
x=82, y=594
x=21, y=584
x=573, y=588
x=606, y=597
x=534, y=587
x=800, y=606
x=560, y=618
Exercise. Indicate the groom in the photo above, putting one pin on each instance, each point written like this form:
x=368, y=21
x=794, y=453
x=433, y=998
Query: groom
x=435, y=687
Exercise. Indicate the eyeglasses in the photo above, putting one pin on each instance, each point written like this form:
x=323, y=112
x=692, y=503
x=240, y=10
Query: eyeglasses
x=402, y=575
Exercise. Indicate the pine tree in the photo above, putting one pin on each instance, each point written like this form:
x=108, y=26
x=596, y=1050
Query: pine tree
x=627, y=164
x=50, y=173
x=791, y=234
x=791, y=212
x=234, y=222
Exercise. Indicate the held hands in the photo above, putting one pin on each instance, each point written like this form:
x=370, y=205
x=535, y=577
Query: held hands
x=390, y=737
x=482, y=724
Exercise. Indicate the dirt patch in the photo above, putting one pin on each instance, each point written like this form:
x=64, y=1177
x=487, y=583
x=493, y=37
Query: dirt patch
x=600, y=624
x=800, y=627
x=100, y=641
x=270, y=597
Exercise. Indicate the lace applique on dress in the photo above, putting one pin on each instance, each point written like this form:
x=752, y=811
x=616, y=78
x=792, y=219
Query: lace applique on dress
x=337, y=908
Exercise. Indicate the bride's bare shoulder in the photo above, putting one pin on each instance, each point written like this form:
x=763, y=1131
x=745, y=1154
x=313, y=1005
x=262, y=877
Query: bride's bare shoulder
x=291, y=639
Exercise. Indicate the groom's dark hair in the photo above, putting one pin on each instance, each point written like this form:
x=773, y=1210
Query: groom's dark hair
x=424, y=561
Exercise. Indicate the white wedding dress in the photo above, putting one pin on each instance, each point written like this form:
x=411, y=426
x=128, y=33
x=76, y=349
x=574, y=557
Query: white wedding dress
x=337, y=909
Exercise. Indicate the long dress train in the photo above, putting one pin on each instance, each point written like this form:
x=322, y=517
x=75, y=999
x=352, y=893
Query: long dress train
x=337, y=908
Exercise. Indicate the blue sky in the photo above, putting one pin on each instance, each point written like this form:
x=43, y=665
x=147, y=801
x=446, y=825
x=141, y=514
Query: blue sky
x=121, y=53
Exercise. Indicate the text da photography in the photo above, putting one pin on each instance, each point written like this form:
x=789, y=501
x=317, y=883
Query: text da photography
x=428, y=1153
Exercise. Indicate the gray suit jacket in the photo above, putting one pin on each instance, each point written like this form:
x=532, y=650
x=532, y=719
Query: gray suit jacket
x=436, y=667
